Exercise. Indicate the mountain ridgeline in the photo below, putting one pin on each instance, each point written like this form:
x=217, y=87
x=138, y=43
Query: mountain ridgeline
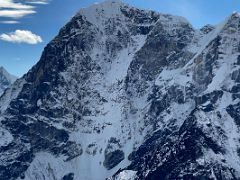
x=127, y=94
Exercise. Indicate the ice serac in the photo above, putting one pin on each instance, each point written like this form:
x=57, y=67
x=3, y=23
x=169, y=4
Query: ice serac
x=124, y=93
x=6, y=80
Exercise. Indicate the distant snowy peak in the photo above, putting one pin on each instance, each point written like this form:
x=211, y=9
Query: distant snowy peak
x=4, y=73
x=6, y=79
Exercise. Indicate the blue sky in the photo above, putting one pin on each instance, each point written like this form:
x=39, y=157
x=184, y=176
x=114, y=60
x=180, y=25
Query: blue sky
x=40, y=21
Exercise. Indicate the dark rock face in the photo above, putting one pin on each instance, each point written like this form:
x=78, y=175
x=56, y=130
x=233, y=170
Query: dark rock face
x=162, y=48
x=178, y=159
x=17, y=167
x=186, y=151
x=69, y=176
x=25, y=124
x=208, y=101
x=205, y=61
x=113, y=158
x=207, y=29
x=234, y=112
x=120, y=84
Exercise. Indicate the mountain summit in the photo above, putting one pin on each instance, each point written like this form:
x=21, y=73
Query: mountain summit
x=124, y=93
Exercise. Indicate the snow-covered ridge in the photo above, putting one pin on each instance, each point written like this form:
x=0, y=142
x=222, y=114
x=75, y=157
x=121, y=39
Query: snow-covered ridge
x=102, y=11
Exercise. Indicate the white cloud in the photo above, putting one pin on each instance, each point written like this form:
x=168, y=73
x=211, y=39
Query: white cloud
x=11, y=4
x=15, y=13
x=39, y=2
x=14, y=9
x=9, y=22
x=21, y=36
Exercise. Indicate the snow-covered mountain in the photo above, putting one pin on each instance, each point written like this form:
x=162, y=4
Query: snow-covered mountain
x=6, y=80
x=124, y=93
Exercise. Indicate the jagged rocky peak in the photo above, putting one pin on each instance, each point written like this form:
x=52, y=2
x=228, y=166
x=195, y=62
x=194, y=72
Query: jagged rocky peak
x=6, y=79
x=127, y=94
x=207, y=28
x=233, y=18
x=235, y=13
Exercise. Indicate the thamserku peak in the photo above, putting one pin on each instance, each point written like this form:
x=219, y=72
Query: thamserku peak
x=124, y=93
